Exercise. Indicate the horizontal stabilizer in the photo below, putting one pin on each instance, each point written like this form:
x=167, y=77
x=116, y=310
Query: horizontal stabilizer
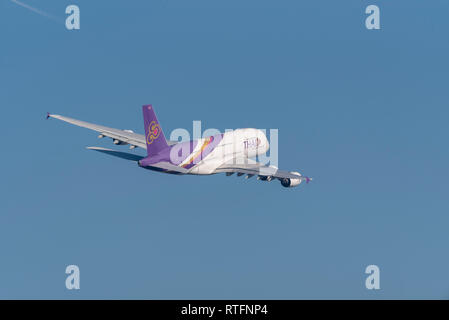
x=119, y=154
x=169, y=167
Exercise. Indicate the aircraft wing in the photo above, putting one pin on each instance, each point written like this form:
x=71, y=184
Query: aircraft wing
x=127, y=136
x=254, y=168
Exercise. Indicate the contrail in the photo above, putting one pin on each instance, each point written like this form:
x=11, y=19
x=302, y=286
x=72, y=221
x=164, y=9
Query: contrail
x=39, y=12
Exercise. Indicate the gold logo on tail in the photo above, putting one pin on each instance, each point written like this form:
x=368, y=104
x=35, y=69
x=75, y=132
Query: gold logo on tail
x=154, y=130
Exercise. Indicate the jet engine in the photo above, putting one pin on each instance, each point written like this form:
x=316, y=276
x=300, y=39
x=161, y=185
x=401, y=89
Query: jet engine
x=119, y=142
x=289, y=183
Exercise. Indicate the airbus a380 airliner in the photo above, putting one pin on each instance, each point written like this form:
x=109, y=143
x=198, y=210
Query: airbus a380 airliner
x=229, y=152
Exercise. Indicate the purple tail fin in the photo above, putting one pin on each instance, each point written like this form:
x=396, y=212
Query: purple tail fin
x=154, y=136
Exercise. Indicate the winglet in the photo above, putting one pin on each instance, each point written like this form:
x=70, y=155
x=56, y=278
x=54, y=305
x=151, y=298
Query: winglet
x=48, y=115
x=308, y=179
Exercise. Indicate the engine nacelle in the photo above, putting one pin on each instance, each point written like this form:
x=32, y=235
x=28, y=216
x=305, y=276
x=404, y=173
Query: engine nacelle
x=119, y=142
x=289, y=183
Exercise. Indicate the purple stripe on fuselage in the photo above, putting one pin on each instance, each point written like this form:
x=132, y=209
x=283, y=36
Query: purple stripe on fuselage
x=177, y=153
x=212, y=142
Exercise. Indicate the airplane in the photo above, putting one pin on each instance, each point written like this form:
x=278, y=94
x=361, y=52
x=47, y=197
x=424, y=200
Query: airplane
x=228, y=152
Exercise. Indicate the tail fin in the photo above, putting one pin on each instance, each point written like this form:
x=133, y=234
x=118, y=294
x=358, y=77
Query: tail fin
x=154, y=136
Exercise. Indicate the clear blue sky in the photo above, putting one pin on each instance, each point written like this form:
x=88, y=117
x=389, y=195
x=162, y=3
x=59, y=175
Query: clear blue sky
x=363, y=112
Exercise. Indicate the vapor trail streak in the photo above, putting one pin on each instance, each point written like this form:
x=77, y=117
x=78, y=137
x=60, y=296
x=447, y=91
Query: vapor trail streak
x=40, y=12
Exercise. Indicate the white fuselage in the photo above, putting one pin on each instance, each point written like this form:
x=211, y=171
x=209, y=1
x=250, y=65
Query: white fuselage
x=236, y=145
